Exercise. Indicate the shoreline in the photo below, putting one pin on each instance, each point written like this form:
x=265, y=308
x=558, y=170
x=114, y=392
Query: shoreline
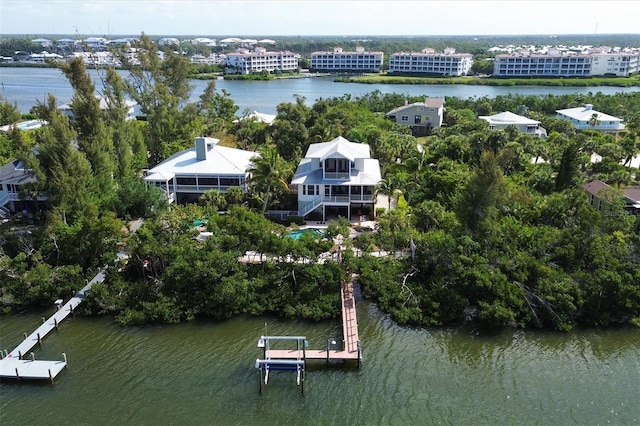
x=633, y=81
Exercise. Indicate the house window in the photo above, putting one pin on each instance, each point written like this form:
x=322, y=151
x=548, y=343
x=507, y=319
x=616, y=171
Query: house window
x=229, y=181
x=404, y=118
x=186, y=181
x=417, y=119
x=0, y=187
x=208, y=181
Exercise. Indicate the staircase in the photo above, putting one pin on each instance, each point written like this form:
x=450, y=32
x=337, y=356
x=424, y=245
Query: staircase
x=306, y=207
x=4, y=212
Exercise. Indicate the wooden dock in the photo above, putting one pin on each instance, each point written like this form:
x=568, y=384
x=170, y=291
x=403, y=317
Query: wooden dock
x=351, y=349
x=13, y=365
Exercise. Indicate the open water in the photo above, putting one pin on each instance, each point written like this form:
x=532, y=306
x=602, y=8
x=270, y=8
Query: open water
x=27, y=86
x=202, y=373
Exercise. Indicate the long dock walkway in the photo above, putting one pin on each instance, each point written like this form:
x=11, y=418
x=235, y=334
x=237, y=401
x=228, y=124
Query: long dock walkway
x=12, y=365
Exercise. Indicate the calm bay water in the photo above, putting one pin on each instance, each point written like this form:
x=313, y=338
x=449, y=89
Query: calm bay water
x=202, y=373
x=26, y=86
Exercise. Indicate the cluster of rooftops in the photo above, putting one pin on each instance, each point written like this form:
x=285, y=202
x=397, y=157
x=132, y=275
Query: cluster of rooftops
x=338, y=176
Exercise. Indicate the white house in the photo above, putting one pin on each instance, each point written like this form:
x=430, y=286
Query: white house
x=336, y=177
x=260, y=117
x=66, y=108
x=188, y=174
x=505, y=119
x=580, y=117
x=12, y=178
x=422, y=117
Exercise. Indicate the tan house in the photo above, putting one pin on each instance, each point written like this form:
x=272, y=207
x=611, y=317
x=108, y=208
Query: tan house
x=600, y=193
x=422, y=117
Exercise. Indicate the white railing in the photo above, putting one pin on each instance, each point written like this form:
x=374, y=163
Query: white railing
x=336, y=175
x=335, y=199
x=306, y=207
x=204, y=188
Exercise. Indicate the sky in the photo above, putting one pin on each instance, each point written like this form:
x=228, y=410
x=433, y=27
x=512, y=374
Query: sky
x=317, y=17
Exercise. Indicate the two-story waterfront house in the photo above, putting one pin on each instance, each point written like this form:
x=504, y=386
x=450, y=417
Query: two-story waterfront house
x=587, y=118
x=13, y=177
x=422, y=117
x=336, y=178
x=190, y=173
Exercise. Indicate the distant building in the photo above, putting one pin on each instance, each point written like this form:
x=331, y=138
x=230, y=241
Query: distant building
x=615, y=64
x=430, y=62
x=422, y=117
x=203, y=41
x=581, y=118
x=169, y=41
x=506, y=119
x=244, y=61
x=552, y=64
x=341, y=61
x=43, y=42
x=190, y=173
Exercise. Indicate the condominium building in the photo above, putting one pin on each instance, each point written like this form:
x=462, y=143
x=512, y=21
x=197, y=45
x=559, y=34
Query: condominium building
x=615, y=64
x=526, y=64
x=245, y=61
x=339, y=60
x=428, y=61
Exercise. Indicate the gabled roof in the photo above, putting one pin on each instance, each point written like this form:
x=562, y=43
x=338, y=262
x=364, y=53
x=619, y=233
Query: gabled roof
x=584, y=113
x=15, y=173
x=428, y=102
x=594, y=187
x=259, y=116
x=220, y=160
x=507, y=118
x=340, y=146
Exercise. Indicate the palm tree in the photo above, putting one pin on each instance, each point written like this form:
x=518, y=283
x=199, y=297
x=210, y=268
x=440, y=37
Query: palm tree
x=269, y=171
x=387, y=188
x=593, y=121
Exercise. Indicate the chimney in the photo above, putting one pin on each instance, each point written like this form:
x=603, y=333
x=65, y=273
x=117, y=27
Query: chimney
x=201, y=148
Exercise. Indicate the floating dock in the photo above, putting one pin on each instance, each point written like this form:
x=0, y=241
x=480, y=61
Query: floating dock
x=14, y=366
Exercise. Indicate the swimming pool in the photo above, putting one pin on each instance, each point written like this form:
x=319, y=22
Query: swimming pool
x=313, y=232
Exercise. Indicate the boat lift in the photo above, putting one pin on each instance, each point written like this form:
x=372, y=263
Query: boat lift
x=272, y=362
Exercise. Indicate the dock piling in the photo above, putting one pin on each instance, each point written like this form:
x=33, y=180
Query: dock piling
x=39, y=340
x=33, y=356
x=66, y=365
